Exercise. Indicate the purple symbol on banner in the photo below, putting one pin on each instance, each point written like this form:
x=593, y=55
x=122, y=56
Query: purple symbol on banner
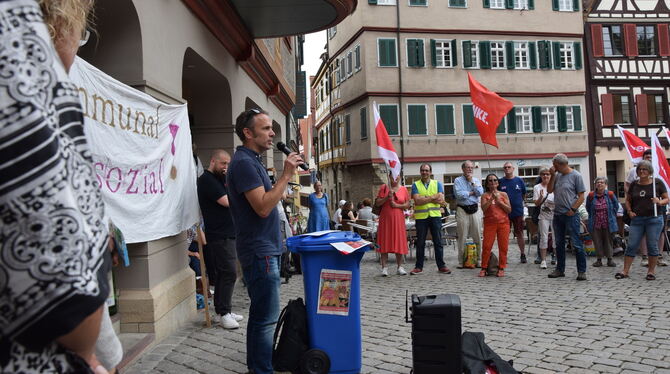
x=173, y=131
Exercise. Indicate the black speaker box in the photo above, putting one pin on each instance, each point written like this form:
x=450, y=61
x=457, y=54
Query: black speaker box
x=436, y=334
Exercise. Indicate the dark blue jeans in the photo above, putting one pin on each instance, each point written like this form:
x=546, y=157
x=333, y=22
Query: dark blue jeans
x=434, y=224
x=262, y=279
x=568, y=225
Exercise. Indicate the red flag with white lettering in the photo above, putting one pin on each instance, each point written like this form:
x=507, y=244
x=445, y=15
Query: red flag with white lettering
x=488, y=109
x=660, y=163
x=634, y=145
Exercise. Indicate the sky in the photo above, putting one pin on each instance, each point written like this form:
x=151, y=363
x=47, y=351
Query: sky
x=314, y=46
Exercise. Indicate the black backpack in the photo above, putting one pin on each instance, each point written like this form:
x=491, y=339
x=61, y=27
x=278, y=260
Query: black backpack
x=293, y=341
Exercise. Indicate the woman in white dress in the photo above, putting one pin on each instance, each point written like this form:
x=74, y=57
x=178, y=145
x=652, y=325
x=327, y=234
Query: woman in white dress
x=545, y=203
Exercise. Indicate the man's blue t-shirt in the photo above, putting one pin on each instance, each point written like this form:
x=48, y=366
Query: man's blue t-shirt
x=516, y=190
x=256, y=237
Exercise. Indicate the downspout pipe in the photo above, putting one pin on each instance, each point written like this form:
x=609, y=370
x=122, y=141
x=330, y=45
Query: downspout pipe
x=400, y=92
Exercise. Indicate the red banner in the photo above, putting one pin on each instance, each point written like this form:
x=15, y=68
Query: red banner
x=488, y=109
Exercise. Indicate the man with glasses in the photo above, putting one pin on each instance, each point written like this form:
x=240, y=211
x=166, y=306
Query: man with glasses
x=428, y=195
x=568, y=188
x=468, y=191
x=253, y=202
x=515, y=189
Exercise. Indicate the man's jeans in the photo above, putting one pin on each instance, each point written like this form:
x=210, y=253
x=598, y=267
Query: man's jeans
x=563, y=225
x=225, y=261
x=434, y=224
x=262, y=279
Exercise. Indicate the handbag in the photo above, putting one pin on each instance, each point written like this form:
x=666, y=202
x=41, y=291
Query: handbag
x=470, y=209
x=535, y=217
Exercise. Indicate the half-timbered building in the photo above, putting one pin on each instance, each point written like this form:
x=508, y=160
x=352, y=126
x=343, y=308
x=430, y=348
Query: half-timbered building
x=628, y=78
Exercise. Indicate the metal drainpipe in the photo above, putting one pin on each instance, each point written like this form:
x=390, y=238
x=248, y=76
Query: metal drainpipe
x=400, y=116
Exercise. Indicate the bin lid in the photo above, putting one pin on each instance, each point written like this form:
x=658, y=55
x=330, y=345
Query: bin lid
x=308, y=240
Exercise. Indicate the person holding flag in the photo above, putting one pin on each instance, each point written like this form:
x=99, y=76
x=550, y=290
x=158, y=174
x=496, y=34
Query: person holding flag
x=642, y=199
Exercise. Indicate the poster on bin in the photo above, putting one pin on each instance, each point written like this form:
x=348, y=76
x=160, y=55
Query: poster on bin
x=334, y=292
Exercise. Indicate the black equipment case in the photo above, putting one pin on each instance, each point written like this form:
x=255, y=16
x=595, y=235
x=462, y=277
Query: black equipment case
x=436, y=334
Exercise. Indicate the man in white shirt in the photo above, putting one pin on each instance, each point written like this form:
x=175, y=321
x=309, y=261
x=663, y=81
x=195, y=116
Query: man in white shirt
x=338, y=214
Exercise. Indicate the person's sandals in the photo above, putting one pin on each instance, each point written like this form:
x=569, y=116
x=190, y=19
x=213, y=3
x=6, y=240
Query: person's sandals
x=482, y=273
x=620, y=276
x=650, y=277
x=501, y=273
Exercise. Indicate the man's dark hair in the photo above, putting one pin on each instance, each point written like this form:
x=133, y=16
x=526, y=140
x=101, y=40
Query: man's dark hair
x=646, y=152
x=246, y=121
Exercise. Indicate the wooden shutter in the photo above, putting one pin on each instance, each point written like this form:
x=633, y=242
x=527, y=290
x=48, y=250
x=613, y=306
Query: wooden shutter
x=501, y=126
x=577, y=54
x=383, y=53
x=544, y=54
x=485, y=54
x=556, y=52
x=607, y=102
x=575, y=5
x=433, y=53
x=347, y=129
x=532, y=55
x=487, y=3
x=641, y=110
x=389, y=115
x=509, y=54
x=444, y=116
x=467, y=54
x=420, y=55
x=537, y=118
x=598, y=48
x=630, y=39
x=417, y=119
x=577, y=117
x=531, y=4
x=663, y=39
x=562, y=119
x=411, y=53
x=509, y=4
x=454, y=53
x=372, y=2
x=469, y=126
x=511, y=121
x=554, y=4
x=364, y=123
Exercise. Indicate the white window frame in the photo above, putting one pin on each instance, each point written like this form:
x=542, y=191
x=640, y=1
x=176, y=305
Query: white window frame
x=336, y=69
x=521, y=51
x=453, y=117
x=567, y=55
x=350, y=63
x=458, y=6
x=474, y=51
x=524, y=119
x=443, y=42
x=395, y=51
x=609, y=42
x=425, y=115
x=565, y=6
x=497, y=4
x=499, y=51
x=521, y=4
x=332, y=31
x=343, y=69
x=407, y=53
x=397, y=113
x=357, y=57
x=549, y=118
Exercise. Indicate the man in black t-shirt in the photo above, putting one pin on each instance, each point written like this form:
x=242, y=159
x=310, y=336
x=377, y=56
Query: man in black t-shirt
x=220, y=252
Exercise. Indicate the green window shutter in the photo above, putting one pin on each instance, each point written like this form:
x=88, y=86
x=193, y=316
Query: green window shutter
x=537, y=118
x=382, y=53
x=485, y=54
x=469, y=126
x=562, y=119
x=433, y=53
x=372, y=2
x=577, y=49
x=411, y=52
x=467, y=54
x=501, y=126
x=575, y=5
x=532, y=55
x=417, y=2
x=417, y=119
x=389, y=115
x=509, y=4
x=454, y=54
x=364, y=123
x=419, y=53
x=577, y=117
x=531, y=4
x=554, y=4
x=347, y=129
x=444, y=116
x=387, y=55
x=509, y=54
x=487, y=3
x=511, y=121
x=557, y=55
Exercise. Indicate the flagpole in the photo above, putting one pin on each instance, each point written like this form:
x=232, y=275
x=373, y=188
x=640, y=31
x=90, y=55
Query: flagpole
x=487, y=156
x=654, y=156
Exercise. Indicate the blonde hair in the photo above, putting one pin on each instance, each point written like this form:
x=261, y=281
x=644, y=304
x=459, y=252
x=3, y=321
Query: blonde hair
x=62, y=17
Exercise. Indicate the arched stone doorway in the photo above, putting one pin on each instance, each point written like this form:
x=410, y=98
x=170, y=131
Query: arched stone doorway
x=207, y=93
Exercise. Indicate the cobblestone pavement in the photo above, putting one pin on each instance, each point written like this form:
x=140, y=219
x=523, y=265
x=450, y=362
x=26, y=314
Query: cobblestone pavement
x=545, y=325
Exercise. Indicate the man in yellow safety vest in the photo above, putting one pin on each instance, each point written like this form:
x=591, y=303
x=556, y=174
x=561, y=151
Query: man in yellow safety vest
x=428, y=195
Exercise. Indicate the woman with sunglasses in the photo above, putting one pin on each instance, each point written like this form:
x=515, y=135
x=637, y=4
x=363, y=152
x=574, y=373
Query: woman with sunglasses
x=640, y=200
x=544, y=202
x=496, y=207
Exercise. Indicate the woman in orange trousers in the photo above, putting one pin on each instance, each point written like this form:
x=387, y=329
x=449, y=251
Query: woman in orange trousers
x=496, y=207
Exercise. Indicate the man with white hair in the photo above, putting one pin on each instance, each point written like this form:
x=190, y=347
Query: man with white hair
x=568, y=188
x=338, y=214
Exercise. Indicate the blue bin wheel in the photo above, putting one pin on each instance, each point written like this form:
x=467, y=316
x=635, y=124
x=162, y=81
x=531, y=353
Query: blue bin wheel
x=314, y=361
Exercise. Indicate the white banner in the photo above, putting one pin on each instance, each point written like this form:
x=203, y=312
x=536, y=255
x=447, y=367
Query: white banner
x=143, y=158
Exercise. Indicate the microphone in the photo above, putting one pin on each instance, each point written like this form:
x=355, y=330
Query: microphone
x=282, y=147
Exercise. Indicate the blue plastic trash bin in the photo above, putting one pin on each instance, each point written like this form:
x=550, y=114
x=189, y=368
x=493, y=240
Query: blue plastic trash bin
x=332, y=297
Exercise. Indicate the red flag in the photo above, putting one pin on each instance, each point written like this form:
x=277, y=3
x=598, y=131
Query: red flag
x=384, y=145
x=667, y=134
x=489, y=109
x=660, y=163
x=634, y=145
